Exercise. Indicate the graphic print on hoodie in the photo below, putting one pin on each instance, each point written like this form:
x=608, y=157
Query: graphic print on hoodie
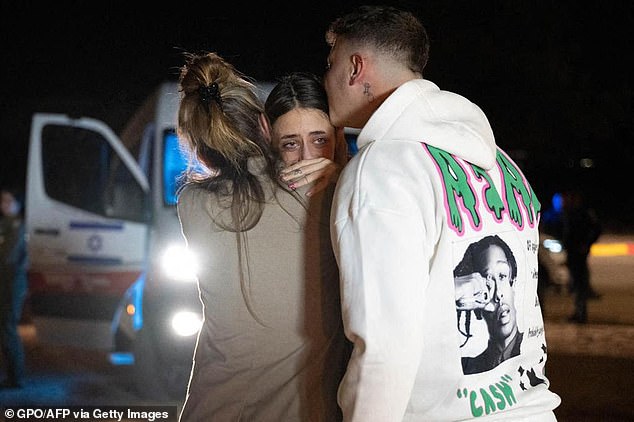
x=489, y=267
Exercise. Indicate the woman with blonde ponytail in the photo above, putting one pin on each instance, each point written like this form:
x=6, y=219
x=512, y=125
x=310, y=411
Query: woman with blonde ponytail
x=271, y=347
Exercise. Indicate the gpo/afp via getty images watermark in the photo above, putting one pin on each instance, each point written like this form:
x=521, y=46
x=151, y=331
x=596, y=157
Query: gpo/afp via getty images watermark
x=90, y=414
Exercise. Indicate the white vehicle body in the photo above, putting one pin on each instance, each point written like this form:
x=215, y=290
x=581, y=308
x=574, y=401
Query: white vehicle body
x=108, y=265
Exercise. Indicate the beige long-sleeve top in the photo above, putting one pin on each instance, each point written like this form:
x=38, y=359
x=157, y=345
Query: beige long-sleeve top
x=278, y=355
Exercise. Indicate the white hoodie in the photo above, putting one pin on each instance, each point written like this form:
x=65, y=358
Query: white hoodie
x=427, y=182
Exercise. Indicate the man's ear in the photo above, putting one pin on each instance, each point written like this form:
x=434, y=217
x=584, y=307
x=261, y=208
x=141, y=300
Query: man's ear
x=357, y=67
x=266, y=127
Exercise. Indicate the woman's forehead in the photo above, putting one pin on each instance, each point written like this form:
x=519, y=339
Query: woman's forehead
x=302, y=119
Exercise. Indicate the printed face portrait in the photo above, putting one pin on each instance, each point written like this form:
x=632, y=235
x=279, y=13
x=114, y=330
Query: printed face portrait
x=303, y=134
x=485, y=304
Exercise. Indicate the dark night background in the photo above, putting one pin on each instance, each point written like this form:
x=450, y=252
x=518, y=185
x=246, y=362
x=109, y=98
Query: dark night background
x=554, y=78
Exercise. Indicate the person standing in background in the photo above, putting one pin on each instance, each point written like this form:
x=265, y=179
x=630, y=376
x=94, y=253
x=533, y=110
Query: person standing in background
x=427, y=181
x=581, y=229
x=13, y=286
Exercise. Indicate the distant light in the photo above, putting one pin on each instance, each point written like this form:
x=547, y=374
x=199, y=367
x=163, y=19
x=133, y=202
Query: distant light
x=553, y=245
x=612, y=249
x=130, y=309
x=558, y=202
x=586, y=163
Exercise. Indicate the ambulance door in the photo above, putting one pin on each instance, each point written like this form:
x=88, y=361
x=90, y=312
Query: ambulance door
x=87, y=218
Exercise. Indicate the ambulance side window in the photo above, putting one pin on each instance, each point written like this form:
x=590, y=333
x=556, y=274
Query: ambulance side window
x=82, y=170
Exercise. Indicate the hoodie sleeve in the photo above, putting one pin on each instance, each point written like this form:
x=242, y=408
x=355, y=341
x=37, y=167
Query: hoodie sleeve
x=384, y=271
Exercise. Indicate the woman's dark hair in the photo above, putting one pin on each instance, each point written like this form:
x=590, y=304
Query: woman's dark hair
x=296, y=90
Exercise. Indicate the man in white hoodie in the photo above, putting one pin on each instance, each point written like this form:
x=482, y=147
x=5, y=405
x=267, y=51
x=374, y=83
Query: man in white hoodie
x=427, y=182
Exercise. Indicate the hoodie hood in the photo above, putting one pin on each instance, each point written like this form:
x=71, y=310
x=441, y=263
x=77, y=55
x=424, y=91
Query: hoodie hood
x=442, y=119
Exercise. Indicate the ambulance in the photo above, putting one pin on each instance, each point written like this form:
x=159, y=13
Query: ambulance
x=108, y=265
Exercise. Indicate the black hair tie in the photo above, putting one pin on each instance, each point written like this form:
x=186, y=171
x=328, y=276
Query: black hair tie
x=210, y=92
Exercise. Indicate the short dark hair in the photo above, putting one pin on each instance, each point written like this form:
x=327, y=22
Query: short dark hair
x=391, y=31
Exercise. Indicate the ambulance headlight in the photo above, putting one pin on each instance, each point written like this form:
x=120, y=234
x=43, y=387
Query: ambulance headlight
x=179, y=263
x=186, y=323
